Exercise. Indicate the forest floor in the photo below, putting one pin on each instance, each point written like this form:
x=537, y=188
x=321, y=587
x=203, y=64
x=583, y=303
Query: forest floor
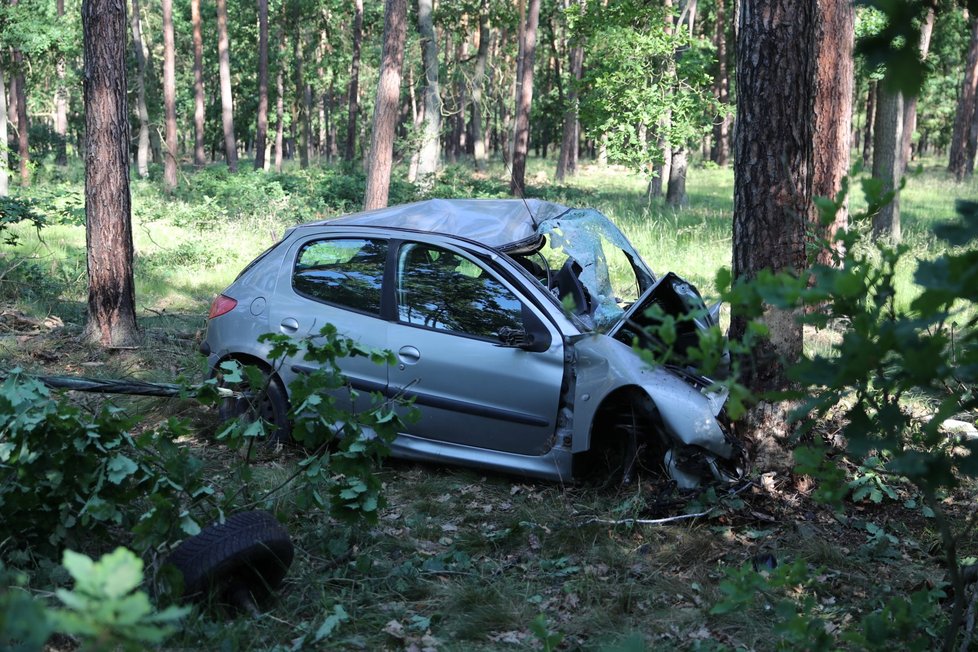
x=464, y=560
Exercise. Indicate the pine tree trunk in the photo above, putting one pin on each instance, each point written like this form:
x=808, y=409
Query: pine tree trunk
x=835, y=24
x=524, y=101
x=887, y=155
x=199, y=156
x=4, y=159
x=478, y=81
x=676, y=192
x=60, y=101
x=23, y=126
x=430, y=153
x=169, y=99
x=349, y=153
x=910, y=103
x=772, y=191
x=721, y=130
x=142, y=149
x=387, y=106
x=301, y=107
x=261, y=131
x=227, y=103
x=870, y=125
x=569, y=135
x=958, y=159
x=111, y=292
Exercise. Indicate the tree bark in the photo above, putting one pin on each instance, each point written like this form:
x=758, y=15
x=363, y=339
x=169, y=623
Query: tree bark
x=304, y=105
x=868, y=128
x=4, y=159
x=834, y=34
x=524, y=101
x=199, y=155
x=142, y=149
x=772, y=191
x=386, y=108
x=569, y=134
x=111, y=292
x=721, y=130
x=280, y=102
x=910, y=103
x=676, y=191
x=261, y=131
x=349, y=153
x=19, y=91
x=662, y=169
x=61, y=101
x=429, y=157
x=227, y=105
x=479, y=150
x=169, y=100
x=958, y=157
x=887, y=158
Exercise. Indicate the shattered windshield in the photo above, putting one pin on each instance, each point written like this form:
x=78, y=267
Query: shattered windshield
x=611, y=272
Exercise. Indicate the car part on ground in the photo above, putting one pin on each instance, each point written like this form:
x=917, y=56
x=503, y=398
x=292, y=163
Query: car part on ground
x=240, y=561
x=518, y=354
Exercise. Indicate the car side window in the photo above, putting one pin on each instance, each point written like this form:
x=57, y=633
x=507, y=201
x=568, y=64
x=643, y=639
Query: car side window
x=347, y=272
x=439, y=289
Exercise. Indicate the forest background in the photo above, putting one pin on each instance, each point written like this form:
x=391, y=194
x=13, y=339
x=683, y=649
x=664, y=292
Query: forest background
x=248, y=118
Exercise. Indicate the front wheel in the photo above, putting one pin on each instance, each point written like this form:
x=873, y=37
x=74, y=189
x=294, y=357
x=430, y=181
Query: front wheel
x=268, y=402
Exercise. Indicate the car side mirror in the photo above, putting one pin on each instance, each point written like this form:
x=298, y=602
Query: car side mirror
x=534, y=338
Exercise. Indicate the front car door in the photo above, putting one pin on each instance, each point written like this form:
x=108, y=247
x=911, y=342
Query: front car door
x=449, y=309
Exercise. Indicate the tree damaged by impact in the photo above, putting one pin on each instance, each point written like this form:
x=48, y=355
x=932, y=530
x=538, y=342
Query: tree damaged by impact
x=517, y=328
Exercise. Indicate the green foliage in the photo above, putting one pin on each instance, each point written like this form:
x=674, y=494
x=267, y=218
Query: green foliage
x=548, y=640
x=14, y=211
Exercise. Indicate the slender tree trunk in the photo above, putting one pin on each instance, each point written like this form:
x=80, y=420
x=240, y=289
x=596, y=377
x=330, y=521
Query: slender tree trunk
x=478, y=81
x=322, y=52
x=4, y=159
x=351, y=125
x=280, y=101
x=524, y=101
x=302, y=105
x=721, y=130
x=61, y=101
x=430, y=155
x=142, y=149
x=835, y=24
x=224, y=68
x=169, y=99
x=870, y=125
x=568, y=141
x=910, y=103
x=111, y=292
x=199, y=156
x=261, y=131
x=887, y=158
x=772, y=191
x=19, y=90
x=958, y=164
x=386, y=109
x=662, y=169
x=676, y=191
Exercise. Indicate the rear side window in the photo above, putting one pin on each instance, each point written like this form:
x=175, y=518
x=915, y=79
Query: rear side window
x=346, y=272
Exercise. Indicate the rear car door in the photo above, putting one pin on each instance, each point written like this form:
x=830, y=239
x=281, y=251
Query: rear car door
x=336, y=280
x=449, y=309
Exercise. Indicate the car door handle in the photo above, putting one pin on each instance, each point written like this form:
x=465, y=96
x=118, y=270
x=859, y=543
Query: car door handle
x=289, y=326
x=408, y=355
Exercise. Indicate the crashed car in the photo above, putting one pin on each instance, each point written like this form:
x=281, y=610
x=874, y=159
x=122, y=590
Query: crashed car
x=512, y=323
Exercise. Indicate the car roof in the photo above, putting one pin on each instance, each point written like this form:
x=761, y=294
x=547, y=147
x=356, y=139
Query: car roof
x=498, y=223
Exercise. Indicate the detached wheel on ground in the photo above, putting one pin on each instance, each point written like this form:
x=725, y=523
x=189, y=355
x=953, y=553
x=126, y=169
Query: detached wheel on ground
x=241, y=561
x=269, y=402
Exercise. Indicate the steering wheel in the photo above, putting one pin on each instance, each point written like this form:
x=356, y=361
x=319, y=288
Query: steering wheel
x=569, y=284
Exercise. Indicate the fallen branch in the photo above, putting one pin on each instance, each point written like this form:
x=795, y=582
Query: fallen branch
x=666, y=519
x=134, y=387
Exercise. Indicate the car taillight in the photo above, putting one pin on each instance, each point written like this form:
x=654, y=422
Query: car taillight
x=222, y=304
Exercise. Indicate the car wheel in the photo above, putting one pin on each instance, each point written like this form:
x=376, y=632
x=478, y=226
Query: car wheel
x=270, y=403
x=241, y=560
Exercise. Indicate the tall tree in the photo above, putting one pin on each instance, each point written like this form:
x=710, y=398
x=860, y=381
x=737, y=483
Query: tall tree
x=524, y=99
x=302, y=93
x=108, y=228
x=142, y=148
x=910, y=103
x=868, y=127
x=261, y=132
x=386, y=107
x=478, y=82
x=199, y=157
x=569, y=138
x=169, y=100
x=280, y=98
x=354, y=92
x=963, y=117
x=224, y=68
x=60, y=99
x=888, y=158
x=18, y=89
x=721, y=130
x=772, y=188
x=834, y=34
x=4, y=160
x=429, y=155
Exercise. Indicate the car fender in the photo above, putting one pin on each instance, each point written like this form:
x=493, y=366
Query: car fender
x=603, y=365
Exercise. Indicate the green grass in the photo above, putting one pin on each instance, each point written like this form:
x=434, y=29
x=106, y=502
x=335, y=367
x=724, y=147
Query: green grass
x=461, y=560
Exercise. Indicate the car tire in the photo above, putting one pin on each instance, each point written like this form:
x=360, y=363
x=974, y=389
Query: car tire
x=271, y=405
x=249, y=550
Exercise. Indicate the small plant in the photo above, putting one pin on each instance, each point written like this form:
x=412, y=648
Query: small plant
x=548, y=640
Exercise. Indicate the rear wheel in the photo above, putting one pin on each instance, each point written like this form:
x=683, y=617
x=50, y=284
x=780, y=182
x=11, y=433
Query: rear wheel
x=268, y=402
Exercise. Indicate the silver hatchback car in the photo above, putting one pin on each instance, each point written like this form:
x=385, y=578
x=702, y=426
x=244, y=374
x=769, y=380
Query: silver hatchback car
x=512, y=323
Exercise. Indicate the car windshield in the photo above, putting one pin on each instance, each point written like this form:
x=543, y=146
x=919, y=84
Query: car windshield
x=608, y=267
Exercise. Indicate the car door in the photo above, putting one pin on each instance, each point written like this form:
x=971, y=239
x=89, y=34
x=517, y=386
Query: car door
x=335, y=280
x=470, y=389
